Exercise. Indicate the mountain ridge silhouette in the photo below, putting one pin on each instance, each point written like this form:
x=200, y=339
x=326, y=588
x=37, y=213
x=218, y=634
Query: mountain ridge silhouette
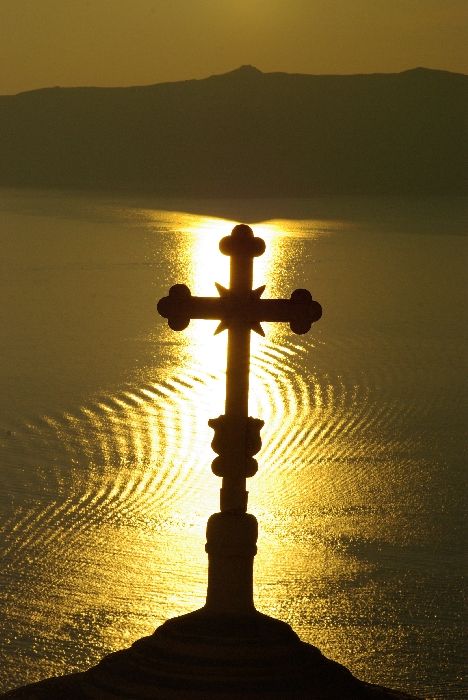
x=244, y=133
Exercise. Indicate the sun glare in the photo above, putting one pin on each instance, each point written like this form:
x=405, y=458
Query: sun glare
x=208, y=266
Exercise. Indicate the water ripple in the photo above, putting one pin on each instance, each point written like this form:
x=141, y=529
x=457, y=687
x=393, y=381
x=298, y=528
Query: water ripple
x=137, y=455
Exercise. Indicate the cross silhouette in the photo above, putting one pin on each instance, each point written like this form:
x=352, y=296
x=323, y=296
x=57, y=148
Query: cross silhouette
x=240, y=309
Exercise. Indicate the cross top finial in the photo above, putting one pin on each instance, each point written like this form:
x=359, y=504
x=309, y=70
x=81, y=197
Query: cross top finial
x=242, y=242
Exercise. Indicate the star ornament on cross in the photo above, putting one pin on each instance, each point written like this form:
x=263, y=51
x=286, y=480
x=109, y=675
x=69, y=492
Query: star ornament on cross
x=239, y=309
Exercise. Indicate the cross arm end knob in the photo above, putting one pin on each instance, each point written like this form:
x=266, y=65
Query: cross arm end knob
x=304, y=311
x=175, y=307
x=242, y=243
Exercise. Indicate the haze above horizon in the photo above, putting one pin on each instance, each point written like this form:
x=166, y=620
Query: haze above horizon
x=119, y=43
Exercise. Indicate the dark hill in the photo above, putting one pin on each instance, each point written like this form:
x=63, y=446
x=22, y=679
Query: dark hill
x=244, y=133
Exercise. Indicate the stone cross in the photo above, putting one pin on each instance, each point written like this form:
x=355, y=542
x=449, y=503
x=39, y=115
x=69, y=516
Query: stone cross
x=240, y=309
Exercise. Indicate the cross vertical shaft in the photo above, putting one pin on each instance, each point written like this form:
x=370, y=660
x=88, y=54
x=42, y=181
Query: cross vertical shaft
x=238, y=354
x=242, y=247
x=233, y=493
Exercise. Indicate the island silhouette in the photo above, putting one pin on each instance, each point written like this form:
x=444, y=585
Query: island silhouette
x=243, y=134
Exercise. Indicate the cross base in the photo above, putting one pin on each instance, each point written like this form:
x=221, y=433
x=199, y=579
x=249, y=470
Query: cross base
x=231, y=546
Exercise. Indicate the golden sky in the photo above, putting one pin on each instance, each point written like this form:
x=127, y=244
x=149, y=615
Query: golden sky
x=128, y=42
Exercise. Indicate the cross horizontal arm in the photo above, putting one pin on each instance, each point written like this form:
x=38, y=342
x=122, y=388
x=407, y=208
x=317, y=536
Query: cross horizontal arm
x=180, y=307
x=247, y=309
x=209, y=308
x=300, y=311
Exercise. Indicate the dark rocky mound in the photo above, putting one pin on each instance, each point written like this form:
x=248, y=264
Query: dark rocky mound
x=201, y=657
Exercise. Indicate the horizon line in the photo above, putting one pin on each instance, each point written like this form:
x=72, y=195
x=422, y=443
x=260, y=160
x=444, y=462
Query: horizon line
x=245, y=68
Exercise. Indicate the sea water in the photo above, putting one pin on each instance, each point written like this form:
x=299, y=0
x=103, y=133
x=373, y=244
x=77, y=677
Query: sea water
x=106, y=483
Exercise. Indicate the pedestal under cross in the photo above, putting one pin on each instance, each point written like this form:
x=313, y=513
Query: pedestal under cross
x=232, y=533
